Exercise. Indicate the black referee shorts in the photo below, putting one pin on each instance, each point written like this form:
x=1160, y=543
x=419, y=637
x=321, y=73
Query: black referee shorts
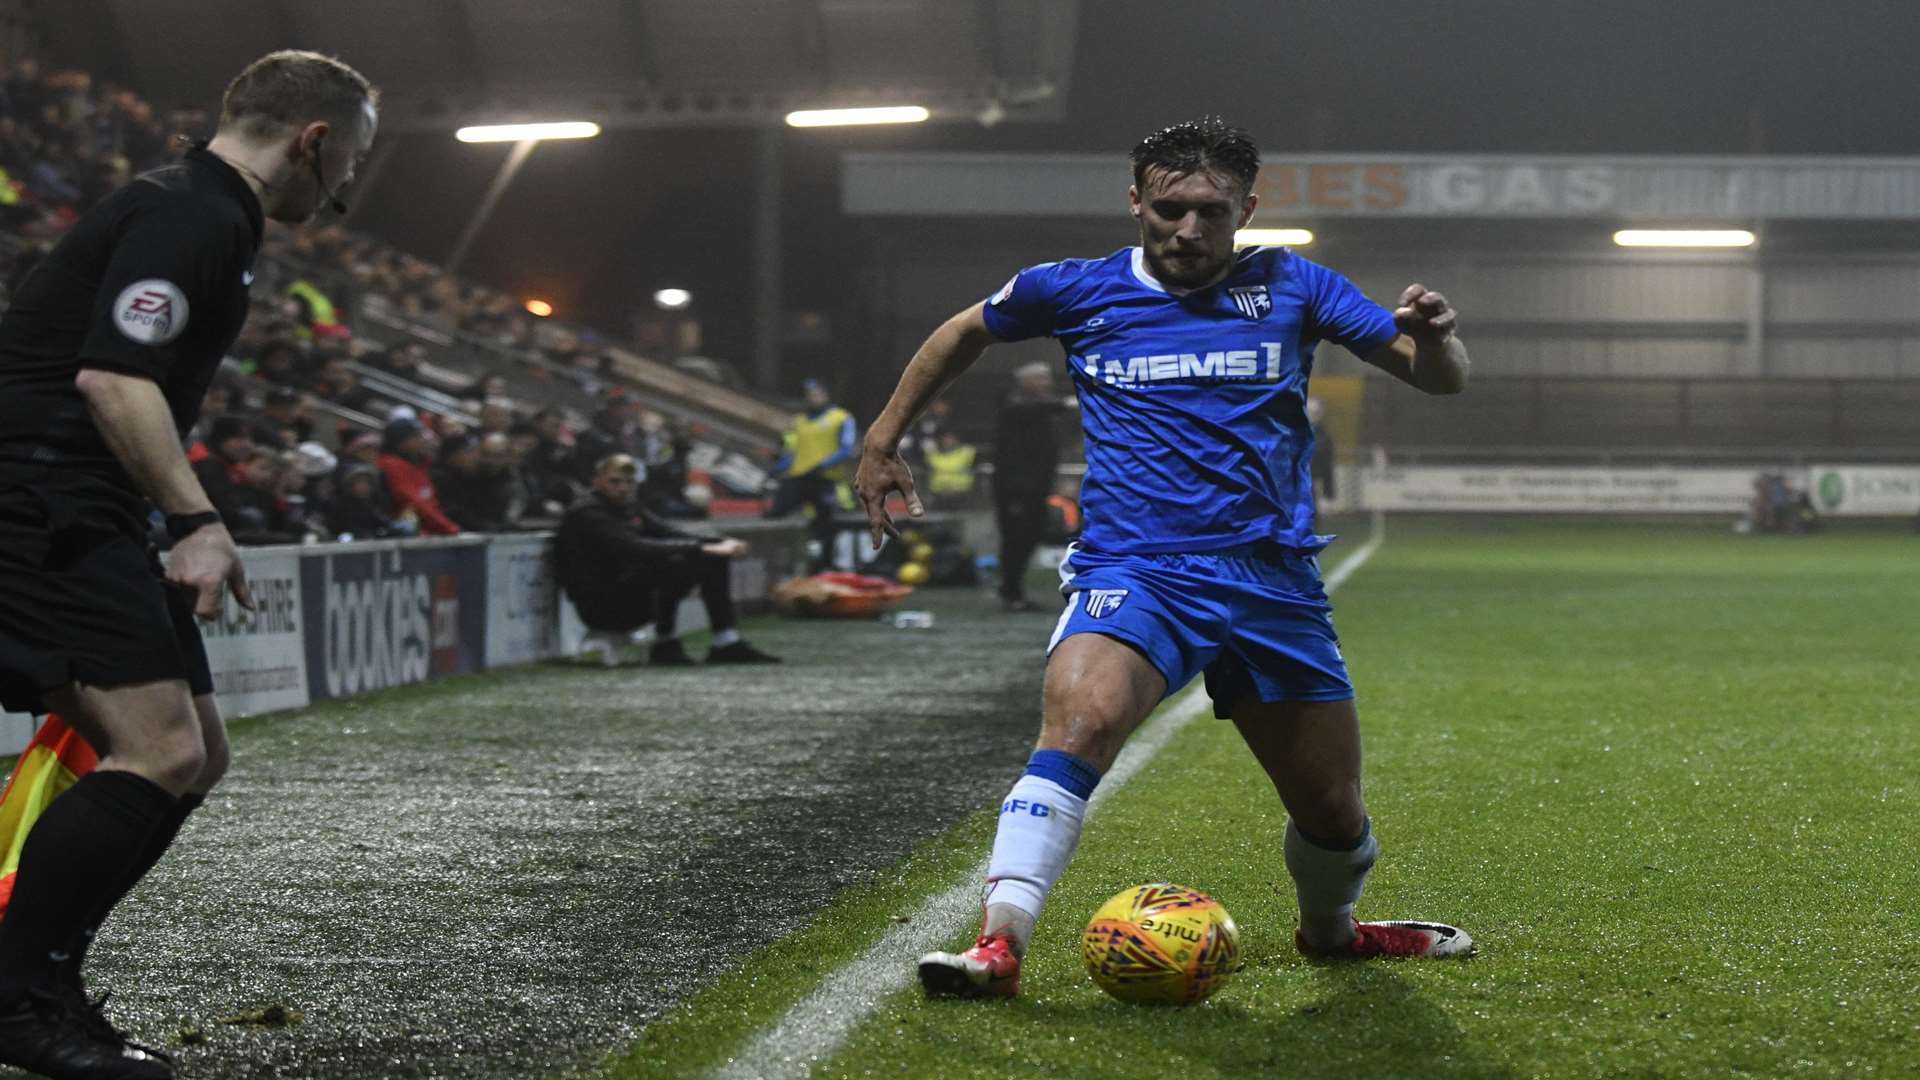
x=81, y=594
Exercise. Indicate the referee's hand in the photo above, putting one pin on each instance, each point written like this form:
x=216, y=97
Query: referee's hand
x=207, y=562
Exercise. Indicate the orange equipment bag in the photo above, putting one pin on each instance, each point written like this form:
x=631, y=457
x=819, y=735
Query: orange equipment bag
x=838, y=595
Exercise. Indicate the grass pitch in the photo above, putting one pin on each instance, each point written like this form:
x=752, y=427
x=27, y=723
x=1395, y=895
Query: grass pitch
x=1665, y=776
x=510, y=874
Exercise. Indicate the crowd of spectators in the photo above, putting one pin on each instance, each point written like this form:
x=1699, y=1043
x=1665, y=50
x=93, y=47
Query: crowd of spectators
x=295, y=445
x=402, y=288
x=66, y=141
x=271, y=473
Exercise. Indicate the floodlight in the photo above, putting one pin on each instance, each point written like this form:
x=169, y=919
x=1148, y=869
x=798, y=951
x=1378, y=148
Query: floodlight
x=1696, y=238
x=569, y=129
x=891, y=114
x=1286, y=237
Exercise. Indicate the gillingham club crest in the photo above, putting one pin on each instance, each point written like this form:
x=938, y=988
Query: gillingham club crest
x=1252, y=300
x=1104, y=602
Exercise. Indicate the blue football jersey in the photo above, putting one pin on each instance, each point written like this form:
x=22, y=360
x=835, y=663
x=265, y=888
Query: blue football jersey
x=1194, y=404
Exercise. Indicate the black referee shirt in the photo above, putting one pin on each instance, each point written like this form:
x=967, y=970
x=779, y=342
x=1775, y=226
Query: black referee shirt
x=152, y=281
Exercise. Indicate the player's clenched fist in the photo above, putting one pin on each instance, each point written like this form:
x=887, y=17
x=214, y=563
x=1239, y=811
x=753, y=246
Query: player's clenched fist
x=1423, y=314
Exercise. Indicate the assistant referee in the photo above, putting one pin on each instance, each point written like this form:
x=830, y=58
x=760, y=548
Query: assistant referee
x=105, y=358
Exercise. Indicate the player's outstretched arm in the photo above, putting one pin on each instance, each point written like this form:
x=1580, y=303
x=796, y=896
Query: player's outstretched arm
x=1426, y=355
x=949, y=351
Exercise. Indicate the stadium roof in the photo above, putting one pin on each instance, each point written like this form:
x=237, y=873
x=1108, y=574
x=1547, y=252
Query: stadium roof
x=622, y=63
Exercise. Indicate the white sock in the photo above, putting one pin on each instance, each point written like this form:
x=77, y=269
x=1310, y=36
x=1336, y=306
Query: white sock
x=723, y=638
x=1039, y=828
x=1328, y=883
x=1010, y=922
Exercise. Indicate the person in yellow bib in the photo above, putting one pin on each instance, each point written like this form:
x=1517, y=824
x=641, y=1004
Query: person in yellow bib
x=951, y=465
x=318, y=315
x=814, y=469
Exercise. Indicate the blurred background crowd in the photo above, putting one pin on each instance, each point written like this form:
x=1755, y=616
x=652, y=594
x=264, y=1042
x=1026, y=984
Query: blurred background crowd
x=471, y=413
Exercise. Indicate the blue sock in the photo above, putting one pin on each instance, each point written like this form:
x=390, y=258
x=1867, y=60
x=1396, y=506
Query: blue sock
x=1075, y=774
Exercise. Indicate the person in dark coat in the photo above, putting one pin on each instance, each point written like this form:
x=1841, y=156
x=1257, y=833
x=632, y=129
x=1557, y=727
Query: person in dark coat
x=1026, y=454
x=549, y=462
x=624, y=567
x=1320, y=468
x=611, y=432
x=476, y=497
x=229, y=446
x=358, y=510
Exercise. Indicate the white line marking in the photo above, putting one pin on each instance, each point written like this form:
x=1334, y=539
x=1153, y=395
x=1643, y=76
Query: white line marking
x=1376, y=536
x=815, y=1026
x=811, y=1030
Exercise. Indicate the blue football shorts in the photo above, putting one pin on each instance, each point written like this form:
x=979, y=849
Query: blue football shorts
x=1255, y=620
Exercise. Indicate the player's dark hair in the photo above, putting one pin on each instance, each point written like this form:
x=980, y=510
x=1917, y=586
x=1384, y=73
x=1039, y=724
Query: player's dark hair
x=291, y=88
x=1208, y=144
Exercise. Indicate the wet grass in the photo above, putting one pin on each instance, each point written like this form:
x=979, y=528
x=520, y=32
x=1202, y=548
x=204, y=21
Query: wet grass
x=1665, y=777
x=706, y=1029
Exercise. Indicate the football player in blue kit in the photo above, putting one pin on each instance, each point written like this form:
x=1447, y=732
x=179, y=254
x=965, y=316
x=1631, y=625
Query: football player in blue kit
x=1198, y=556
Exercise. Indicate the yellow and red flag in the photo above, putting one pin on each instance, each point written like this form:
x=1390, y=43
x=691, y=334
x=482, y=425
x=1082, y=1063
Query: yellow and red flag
x=55, y=758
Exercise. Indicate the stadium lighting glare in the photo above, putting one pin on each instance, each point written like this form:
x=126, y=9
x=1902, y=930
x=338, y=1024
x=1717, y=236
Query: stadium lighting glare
x=892, y=114
x=1684, y=238
x=1284, y=237
x=540, y=308
x=672, y=299
x=570, y=129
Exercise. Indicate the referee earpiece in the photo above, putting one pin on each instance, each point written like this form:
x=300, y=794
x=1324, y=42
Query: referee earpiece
x=327, y=193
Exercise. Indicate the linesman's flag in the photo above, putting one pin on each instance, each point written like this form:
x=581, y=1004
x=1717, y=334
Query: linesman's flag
x=55, y=758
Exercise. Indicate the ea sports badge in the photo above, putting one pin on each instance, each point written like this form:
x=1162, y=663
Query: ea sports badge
x=152, y=311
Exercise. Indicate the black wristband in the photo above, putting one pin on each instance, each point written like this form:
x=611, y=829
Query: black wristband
x=180, y=526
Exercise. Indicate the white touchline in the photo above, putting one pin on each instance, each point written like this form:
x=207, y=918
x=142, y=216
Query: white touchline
x=814, y=1027
x=1376, y=535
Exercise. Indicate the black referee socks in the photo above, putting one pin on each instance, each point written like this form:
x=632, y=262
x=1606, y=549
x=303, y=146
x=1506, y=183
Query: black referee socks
x=76, y=860
x=157, y=844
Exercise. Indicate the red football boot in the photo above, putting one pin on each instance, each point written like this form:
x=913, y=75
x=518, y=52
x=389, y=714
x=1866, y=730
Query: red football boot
x=1399, y=938
x=990, y=969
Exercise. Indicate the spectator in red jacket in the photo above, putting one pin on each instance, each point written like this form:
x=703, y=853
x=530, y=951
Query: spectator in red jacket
x=221, y=470
x=407, y=464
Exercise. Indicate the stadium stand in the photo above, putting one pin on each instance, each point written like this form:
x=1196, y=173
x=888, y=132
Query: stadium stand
x=349, y=337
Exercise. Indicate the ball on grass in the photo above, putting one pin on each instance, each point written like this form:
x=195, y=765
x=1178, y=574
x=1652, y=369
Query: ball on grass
x=1161, y=944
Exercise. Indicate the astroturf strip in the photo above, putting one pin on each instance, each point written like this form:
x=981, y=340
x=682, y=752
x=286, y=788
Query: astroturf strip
x=814, y=1027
